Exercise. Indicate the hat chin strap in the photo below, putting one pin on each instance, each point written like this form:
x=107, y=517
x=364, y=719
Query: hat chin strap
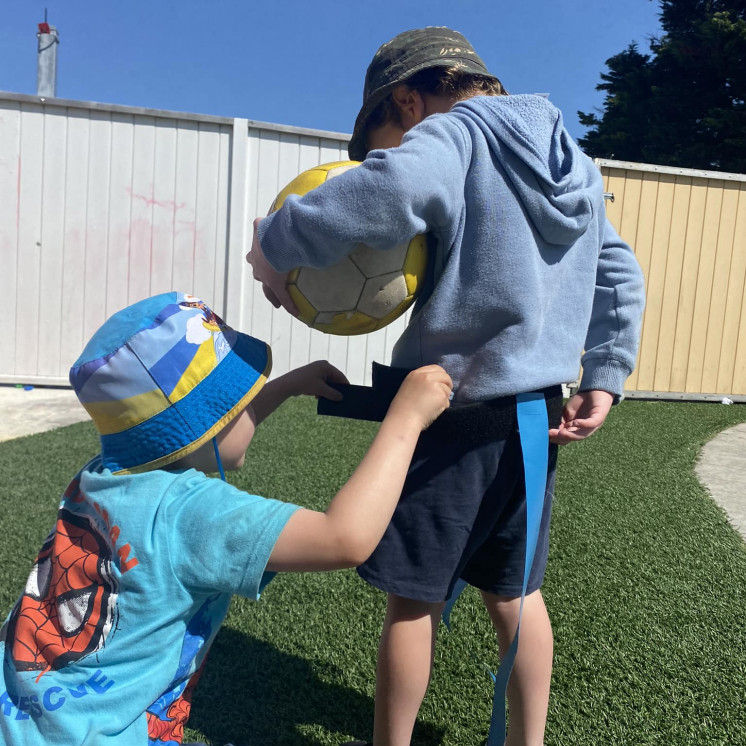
x=217, y=458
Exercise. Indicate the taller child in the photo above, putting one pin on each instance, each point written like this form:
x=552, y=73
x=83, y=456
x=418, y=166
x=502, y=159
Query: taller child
x=527, y=276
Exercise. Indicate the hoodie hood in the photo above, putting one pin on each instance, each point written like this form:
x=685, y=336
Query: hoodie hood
x=559, y=187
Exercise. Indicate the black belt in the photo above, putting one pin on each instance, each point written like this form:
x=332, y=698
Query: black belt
x=463, y=424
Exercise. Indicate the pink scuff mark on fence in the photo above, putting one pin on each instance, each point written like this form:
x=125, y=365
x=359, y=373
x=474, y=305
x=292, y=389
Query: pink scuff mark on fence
x=188, y=227
x=166, y=204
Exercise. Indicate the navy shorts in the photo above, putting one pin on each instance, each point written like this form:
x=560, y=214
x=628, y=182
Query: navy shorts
x=462, y=514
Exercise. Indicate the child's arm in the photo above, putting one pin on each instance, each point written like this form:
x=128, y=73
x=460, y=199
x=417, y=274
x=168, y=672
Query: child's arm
x=391, y=197
x=612, y=341
x=353, y=524
x=310, y=380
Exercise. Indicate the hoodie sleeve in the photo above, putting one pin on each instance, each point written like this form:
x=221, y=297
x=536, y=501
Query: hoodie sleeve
x=391, y=197
x=616, y=319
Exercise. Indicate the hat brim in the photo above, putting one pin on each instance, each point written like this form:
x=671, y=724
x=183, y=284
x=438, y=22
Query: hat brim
x=195, y=419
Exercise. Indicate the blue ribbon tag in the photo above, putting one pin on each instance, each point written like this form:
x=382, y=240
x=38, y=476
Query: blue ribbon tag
x=533, y=427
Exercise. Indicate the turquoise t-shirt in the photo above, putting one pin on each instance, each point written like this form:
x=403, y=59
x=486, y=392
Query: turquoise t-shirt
x=123, y=602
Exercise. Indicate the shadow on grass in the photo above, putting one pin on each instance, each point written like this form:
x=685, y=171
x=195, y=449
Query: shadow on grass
x=252, y=693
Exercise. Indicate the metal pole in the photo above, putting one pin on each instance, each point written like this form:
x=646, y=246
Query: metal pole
x=46, y=72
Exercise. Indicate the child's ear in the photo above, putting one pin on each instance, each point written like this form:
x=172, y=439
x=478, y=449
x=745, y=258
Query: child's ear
x=411, y=105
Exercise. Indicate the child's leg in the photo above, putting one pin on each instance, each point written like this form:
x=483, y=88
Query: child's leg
x=528, y=687
x=405, y=659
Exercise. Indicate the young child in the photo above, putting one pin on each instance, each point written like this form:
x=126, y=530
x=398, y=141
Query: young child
x=132, y=584
x=526, y=274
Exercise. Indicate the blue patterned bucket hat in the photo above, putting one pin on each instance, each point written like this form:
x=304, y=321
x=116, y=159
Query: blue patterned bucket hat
x=164, y=376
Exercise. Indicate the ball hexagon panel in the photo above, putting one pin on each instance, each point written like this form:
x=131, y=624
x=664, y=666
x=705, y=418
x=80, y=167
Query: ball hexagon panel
x=337, y=292
x=374, y=262
x=382, y=294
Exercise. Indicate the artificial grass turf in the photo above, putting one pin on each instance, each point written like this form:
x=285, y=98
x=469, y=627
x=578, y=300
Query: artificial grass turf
x=646, y=587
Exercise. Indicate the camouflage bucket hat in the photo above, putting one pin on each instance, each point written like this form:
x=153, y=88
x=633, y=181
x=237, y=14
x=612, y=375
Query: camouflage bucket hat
x=402, y=57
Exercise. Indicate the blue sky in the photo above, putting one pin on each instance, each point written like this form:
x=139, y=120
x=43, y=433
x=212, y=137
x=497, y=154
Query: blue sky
x=302, y=62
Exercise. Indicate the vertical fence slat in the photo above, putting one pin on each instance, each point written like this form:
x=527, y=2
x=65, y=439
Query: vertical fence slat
x=239, y=286
x=55, y=232
x=731, y=376
x=200, y=219
x=28, y=331
x=672, y=283
x=10, y=207
x=164, y=206
x=120, y=212
x=703, y=295
x=655, y=284
x=643, y=223
x=97, y=225
x=143, y=204
x=690, y=263
x=226, y=281
x=185, y=195
x=73, y=292
x=721, y=271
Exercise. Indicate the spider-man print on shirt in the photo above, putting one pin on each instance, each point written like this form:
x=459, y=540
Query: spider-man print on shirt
x=168, y=714
x=168, y=727
x=68, y=606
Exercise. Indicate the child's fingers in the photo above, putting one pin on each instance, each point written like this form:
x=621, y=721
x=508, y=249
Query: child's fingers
x=282, y=295
x=437, y=373
x=570, y=432
x=588, y=422
x=570, y=410
x=334, y=374
x=270, y=296
x=563, y=436
x=327, y=392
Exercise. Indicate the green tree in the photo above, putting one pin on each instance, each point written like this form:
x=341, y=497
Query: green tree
x=685, y=103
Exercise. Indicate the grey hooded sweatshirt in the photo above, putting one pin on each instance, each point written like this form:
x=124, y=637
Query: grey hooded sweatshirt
x=527, y=272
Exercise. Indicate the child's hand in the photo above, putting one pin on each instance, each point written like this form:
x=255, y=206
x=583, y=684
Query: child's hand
x=273, y=282
x=424, y=395
x=583, y=414
x=313, y=380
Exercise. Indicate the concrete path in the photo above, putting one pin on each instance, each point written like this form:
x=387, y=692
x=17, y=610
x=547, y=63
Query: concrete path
x=27, y=412
x=721, y=465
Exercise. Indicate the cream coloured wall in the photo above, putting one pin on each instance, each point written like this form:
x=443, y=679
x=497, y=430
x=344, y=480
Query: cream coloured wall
x=688, y=229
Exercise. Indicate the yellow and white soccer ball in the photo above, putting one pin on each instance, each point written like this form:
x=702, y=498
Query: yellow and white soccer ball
x=367, y=289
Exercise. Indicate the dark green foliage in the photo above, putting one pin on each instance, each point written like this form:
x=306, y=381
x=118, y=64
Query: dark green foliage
x=646, y=586
x=624, y=130
x=684, y=104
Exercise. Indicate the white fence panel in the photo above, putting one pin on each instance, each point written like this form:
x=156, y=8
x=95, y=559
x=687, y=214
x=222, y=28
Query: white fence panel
x=110, y=205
